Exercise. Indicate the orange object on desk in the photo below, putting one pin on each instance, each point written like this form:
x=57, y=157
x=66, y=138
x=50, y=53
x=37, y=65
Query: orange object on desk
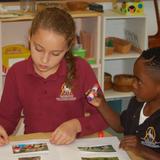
x=101, y=134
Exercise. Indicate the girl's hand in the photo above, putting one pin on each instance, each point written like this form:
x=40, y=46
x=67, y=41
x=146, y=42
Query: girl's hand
x=131, y=143
x=98, y=100
x=66, y=132
x=3, y=136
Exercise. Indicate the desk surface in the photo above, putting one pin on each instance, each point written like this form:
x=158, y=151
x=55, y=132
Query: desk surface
x=47, y=135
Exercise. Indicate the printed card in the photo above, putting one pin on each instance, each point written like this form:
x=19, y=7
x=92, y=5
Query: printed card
x=104, y=148
x=30, y=158
x=100, y=158
x=27, y=148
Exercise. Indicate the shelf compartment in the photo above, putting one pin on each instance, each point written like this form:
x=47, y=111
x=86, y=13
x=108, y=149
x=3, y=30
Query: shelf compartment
x=115, y=56
x=112, y=94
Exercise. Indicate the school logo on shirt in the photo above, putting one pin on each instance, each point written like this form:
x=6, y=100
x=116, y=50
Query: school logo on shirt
x=66, y=94
x=150, y=138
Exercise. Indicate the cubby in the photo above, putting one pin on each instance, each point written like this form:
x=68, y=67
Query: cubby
x=131, y=28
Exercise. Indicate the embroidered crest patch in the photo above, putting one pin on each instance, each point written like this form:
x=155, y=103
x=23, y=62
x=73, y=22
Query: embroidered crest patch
x=66, y=94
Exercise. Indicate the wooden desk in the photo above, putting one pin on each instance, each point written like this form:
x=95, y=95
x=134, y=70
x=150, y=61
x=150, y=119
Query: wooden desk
x=47, y=135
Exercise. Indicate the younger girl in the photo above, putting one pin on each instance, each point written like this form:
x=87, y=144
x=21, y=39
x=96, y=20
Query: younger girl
x=140, y=123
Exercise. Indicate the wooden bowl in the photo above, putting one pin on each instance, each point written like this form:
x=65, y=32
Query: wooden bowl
x=107, y=81
x=123, y=82
x=77, y=6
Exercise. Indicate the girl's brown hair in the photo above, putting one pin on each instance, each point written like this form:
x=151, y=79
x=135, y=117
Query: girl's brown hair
x=58, y=20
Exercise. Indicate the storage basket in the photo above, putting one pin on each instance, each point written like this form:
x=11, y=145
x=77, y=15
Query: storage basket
x=77, y=6
x=121, y=45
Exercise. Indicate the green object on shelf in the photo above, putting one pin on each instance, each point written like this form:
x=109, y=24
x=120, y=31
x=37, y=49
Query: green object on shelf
x=79, y=52
x=109, y=43
x=91, y=61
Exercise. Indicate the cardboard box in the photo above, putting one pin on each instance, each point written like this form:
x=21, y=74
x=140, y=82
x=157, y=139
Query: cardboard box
x=129, y=7
x=12, y=54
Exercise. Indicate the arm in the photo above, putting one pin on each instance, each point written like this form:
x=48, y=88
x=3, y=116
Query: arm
x=10, y=108
x=87, y=79
x=112, y=117
x=3, y=136
x=132, y=143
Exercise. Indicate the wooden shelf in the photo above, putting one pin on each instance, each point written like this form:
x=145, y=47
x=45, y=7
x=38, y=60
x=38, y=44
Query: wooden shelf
x=112, y=94
x=110, y=14
x=115, y=56
x=30, y=16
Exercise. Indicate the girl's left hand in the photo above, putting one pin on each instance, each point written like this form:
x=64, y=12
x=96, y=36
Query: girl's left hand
x=66, y=132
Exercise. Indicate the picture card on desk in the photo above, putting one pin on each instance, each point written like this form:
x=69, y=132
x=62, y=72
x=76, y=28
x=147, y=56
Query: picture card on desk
x=29, y=147
x=30, y=158
x=101, y=158
x=103, y=148
x=37, y=149
x=106, y=148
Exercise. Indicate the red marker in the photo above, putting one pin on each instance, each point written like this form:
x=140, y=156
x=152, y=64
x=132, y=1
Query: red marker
x=101, y=134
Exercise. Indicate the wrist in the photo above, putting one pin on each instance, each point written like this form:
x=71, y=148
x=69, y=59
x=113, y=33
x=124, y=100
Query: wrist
x=77, y=125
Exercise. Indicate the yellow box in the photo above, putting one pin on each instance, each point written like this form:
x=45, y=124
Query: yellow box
x=12, y=54
x=129, y=7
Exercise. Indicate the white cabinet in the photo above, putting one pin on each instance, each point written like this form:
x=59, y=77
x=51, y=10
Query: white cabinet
x=125, y=27
x=91, y=22
x=12, y=31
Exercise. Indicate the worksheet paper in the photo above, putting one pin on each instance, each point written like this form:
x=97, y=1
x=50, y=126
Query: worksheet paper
x=106, y=148
x=81, y=149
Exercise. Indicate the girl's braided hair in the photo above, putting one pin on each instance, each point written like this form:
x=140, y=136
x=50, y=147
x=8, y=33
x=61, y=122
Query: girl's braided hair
x=58, y=20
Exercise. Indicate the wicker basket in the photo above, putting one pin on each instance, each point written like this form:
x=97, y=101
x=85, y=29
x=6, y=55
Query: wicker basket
x=107, y=81
x=77, y=6
x=121, y=45
x=123, y=82
x=109, y=51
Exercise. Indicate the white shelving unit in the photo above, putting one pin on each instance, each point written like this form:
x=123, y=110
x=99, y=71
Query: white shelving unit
x=116, y=25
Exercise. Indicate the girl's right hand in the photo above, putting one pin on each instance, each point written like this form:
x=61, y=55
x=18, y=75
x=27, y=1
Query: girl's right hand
x=3, y=136
x=98, y=100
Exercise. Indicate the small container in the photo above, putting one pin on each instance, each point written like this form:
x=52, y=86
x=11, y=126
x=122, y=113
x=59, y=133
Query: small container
x=79, y=52
x=109, y=51
x=107, y=81
x=109, y=48
x=121, y=45
x=77, y=6
x=27, y=6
